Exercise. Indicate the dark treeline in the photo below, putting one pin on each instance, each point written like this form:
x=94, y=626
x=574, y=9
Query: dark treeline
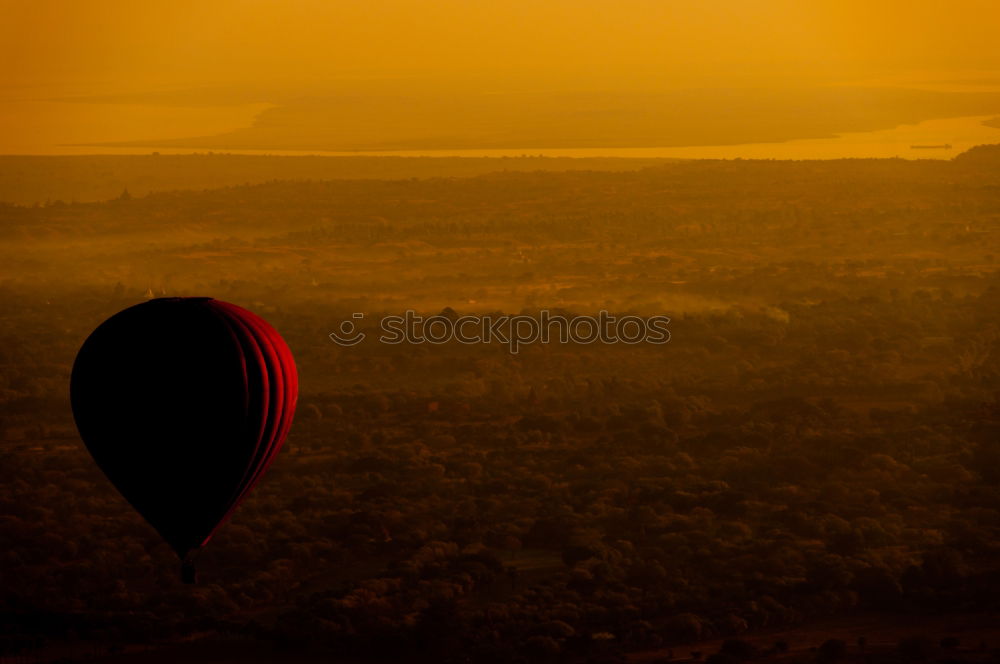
x=35, y=180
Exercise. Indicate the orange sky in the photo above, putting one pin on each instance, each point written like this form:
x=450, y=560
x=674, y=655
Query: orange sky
x=138, y=45
x=174, y=69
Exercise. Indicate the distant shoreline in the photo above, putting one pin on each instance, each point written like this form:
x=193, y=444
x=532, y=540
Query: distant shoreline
x=50, y=179
x=957, y=134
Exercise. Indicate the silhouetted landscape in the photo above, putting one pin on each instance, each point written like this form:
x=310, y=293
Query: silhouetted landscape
x=30, y=180
x=809, y=471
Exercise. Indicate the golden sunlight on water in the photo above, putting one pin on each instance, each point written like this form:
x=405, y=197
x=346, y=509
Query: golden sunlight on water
x=931, y=139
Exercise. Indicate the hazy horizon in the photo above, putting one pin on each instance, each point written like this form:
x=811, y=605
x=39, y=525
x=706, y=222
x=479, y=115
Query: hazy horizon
x=406, y=76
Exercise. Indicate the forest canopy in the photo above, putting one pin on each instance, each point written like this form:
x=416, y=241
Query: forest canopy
x=819, y=437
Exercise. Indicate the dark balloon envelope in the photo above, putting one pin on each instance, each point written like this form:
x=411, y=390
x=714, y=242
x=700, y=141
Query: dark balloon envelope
x=184, y=403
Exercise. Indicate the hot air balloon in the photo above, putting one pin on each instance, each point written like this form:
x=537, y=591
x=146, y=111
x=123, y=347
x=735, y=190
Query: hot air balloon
x=184, y=403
